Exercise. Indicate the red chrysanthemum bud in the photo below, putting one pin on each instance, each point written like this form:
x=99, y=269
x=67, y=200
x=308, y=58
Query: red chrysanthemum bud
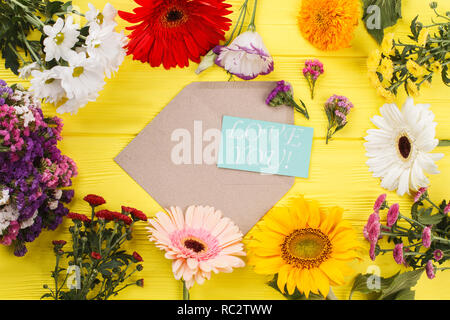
x=140, y=283
x=96, y=255
x=135, y=213
x=94, y=200
x=137, y=257
x=59, y=242
x=105, y=214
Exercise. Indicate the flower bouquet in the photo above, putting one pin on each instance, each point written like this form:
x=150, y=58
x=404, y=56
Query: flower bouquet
x=97, y=267
x=69, y=62
x=32, y=169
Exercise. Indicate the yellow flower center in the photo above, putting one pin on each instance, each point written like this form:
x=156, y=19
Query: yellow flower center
x=306, y=248
x=48, y=81
x=77, y=71
x=100, y=18
x=195, y=244
x=59, y=38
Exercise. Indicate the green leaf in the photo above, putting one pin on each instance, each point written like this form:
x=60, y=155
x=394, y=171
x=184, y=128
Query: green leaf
x=400, y=282
x=444, y=143
x=47, y=295
x=389, y=12
x=11, y=60
x=426, y=218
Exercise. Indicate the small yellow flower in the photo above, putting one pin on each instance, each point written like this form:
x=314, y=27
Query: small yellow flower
x=423, y=37
x=388, y=44
x=412, y=88
x=386, y=94
x=415, y=69
x=374, y=80
x=436, y=67
x=373, y=61
x=387, y=69
x=426, y=83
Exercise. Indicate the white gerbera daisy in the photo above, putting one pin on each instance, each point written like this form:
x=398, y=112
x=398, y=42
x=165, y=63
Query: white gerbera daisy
x=61, y=37
x=46, y=85
x=82, y=78
x=399, y=149
x=107, y=47
x=105, y=18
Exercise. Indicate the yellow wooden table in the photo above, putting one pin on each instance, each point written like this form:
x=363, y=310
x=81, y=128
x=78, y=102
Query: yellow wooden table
x=338, y=174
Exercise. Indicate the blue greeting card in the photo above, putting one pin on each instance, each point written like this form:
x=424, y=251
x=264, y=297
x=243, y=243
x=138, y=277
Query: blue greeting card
x=265, y=147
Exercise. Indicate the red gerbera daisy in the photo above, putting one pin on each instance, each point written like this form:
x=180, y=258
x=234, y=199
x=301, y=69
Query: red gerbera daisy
x=170, y=32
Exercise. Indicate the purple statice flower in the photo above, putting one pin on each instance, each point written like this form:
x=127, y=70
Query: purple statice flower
x=337, y=108
x=398, y=253
x=282, y=94
x=32, y=168
x=438, y=254
x=426, y=237
x=392, y=215
x=312, y=70
x=380, y=202
x=429, y=269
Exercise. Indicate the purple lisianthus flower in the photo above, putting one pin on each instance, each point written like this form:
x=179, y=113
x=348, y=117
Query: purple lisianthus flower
x=392, y=215
x=426, y=237
x=246, y=57
x=379, y=202
x=398, y=253
x=429, y=269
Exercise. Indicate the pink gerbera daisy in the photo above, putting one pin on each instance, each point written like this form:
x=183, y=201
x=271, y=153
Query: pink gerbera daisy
x=199, y=243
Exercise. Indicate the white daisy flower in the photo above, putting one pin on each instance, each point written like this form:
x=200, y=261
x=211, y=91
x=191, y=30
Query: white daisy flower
x=47, y=85
x=73, y=105
x=25, y=71
x=107, y=47
x=105, y=18
x=82, y=78
x=61, y=37
x=399, y=150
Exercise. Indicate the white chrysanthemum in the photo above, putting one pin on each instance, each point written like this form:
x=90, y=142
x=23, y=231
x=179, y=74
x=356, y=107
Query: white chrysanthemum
x=106, y=46
x=399, y=149
x=25, y=71
x=47, y=85
x=61, y=37
x=72, y=105
x=82, y=78
x=105, y=18
x=4, y=197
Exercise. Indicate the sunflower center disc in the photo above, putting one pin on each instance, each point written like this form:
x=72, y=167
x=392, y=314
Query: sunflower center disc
x=194, y=245
x=306, y=248
x=404, y=147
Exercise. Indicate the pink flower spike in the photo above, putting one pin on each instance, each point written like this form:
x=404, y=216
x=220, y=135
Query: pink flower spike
x=398, y=253
x=429, y=268
x=426, y=237
x=419, y=194
x=392, y=215
x=379, y=202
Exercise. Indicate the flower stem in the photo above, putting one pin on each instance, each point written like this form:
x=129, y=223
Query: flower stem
x=186, y=295
x=251, y=26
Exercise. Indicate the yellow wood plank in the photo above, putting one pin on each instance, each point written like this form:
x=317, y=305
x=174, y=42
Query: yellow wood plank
x=338, y=174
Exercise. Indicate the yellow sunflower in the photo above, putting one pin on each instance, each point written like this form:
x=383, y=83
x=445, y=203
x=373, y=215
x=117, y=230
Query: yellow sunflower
x=307, y=246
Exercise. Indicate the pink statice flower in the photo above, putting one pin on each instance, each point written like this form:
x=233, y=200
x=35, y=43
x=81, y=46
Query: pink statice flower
x=426, y=237
x=312, y=70
x=199, y=242
x=422, y=193
x=392, y=215
x=381, y=200
x=398, y=253
x=438, y=254
x=337, y=109
x=429, y=269
x=282, y=94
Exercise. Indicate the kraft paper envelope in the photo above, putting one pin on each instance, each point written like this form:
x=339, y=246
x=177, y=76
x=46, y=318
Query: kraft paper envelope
x=174, y=158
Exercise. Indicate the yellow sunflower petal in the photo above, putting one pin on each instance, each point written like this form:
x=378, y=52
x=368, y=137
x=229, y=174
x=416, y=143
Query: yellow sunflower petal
x=314, y=216
x=291, y=283
x=321, y=281
x=282, y=277
x=300, y=210
x=333, y=218
x=332, y=269
x=266, y=265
